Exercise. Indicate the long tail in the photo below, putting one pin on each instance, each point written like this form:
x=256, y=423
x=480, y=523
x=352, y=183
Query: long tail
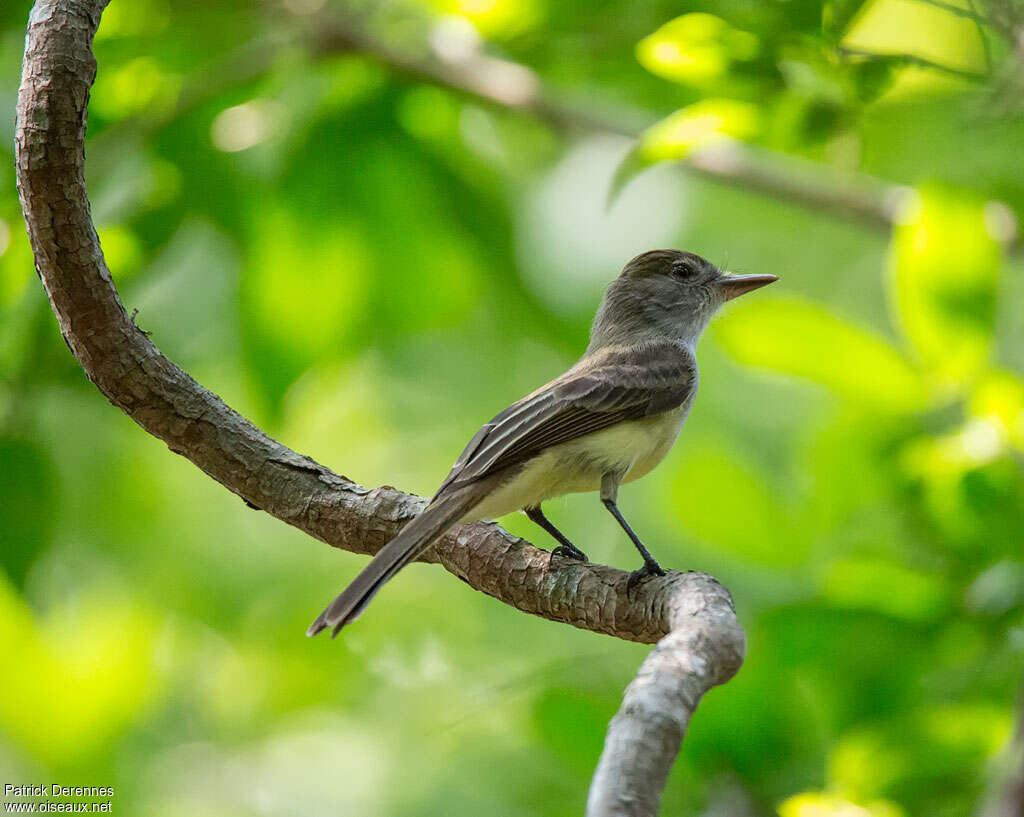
x=415, y=537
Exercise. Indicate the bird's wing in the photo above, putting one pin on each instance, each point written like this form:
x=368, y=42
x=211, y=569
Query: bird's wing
x=611, y=386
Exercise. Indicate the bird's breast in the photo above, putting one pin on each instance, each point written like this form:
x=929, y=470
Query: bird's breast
x=649, y=440
x=634, y=448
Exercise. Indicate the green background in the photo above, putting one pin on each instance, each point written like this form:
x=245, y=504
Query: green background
x=369, y=267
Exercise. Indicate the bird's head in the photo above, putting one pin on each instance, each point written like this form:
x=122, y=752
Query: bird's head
x=666, y=295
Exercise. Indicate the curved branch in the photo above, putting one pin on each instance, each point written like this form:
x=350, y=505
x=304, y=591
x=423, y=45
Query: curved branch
x=705, y=647
x=701, y=643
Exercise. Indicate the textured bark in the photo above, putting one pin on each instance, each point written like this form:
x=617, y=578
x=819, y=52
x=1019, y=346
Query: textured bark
x=704, y=648
x=701, y=642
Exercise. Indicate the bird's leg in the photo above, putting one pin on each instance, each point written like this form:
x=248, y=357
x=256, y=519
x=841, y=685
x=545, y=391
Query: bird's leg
x=565, y=548
x=609, y=492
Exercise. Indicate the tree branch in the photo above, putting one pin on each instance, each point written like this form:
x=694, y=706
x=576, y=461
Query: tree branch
x=857, y=197
x=509, y=85
x=644, y=736
x=1006, y=798
x=700, y=641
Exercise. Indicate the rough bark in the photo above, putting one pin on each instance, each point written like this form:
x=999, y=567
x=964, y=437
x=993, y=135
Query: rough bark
x=700, y=642
x=701, y=651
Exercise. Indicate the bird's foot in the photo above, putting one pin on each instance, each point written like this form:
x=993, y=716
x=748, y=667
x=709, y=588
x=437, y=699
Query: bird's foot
x=568, y=551
x=651, y=568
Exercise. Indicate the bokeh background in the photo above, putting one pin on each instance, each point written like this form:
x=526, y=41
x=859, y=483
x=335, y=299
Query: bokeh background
x=369, y=265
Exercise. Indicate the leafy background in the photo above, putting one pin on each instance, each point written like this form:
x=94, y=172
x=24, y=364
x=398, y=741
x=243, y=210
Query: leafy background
x=369, y=266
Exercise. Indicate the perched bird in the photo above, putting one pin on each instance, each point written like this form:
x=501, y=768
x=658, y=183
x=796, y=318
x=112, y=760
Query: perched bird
x=608, y=420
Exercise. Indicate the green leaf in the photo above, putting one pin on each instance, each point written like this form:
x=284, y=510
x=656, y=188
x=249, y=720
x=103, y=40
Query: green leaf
x=631, y=166
x=695, y=49
x=944, y=273
x=822, y=804
x=72, y=698
x=27, y=492
x=804, y=339
x=304, y=289
x=917, y=29
x=701, y=125
x=836, y=16
x=886, y=587
x=735, y=507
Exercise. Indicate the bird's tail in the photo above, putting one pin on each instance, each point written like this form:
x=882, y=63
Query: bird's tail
x=415, y=537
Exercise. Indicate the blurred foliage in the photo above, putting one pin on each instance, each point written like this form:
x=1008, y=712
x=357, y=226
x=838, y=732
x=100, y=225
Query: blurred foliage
x=370, y=267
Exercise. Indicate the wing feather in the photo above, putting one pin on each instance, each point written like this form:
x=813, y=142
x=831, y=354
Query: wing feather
x=612, y=386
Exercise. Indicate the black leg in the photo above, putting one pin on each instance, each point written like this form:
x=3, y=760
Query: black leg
x=651, y=567
x=565, y=548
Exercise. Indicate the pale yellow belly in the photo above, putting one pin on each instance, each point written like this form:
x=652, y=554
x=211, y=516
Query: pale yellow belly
x=634, y=448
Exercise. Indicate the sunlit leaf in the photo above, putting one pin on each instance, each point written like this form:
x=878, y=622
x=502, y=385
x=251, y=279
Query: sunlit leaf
x=998, y=399
x=695, y=48
x=303, y=293
x=429, y=113
x=142, y=18
x=241, y=127
x=836, y=16
x=971, y=728
x=919, y=29
x=944, y=272
x=969, y=488
x=17, y=269
x=864, y=764
x=121, y=249
x=821, y=804
x=494, y=18
x=804, y=339
x=700, y=125
x=139, y=85
x=72, y=696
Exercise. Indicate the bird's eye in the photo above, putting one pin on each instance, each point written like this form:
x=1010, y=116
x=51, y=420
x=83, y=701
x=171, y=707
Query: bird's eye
x=683, y=270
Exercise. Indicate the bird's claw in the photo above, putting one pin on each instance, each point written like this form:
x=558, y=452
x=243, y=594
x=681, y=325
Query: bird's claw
x=570, y=552
x=649, y=569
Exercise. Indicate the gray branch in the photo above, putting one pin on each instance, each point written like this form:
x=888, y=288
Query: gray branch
x=689, y=615
x=1006, y=798
x=702, y=650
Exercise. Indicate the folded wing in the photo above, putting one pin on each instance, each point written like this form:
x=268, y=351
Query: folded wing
x=612, y=386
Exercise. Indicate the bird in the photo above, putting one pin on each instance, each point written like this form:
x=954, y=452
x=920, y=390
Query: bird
x=608, y=420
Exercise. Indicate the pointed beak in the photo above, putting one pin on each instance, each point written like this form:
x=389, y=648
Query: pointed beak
x=732, y=286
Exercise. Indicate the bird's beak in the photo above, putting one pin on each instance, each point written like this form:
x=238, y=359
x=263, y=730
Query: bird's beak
x=732, y=286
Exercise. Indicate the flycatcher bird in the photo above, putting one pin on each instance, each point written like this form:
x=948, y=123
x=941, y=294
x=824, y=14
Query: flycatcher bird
x=608, y=420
